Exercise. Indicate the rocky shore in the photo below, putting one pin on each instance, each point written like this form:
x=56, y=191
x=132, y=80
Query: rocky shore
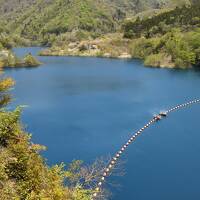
x=110, y=46
x=115, y=46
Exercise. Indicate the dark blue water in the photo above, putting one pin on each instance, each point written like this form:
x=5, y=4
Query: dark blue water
x=84, y=108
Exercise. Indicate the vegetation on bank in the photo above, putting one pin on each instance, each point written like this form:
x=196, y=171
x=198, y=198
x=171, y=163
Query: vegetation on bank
x=170, y=39
x=30, y=61
x=174, y=49
x=9, y=39
x=9, y=59
x=109, y=45
x=5, y=85
x=24, y=173
x=167, y=37
x=185, y=18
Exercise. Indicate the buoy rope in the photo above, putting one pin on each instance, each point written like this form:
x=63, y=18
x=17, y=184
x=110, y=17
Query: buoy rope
x=114, y=160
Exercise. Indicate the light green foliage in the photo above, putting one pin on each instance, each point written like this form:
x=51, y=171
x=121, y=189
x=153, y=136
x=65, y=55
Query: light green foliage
x=59, y=22
x=176, y=32
x=193, y=39
x=143, y=47
x=5, y=41
x=9, y=59
x=38, y=20
x=72, y=174
x=181, y=48
x=61, y=16
x=154, y=60
x=9, y=40
x=5, y=85
x=185, y=18
x=31, y=61
x=81, y=194
x=23, y=172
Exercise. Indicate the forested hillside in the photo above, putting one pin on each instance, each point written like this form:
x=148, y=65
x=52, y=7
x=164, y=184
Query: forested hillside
x=185, y=18
x=169, y=39
x=10, y=8
x=44, y=20
x=70, y=26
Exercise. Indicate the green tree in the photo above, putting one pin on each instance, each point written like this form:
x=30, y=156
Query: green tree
x=179, y=49
x=23, y=171
x=5, y=85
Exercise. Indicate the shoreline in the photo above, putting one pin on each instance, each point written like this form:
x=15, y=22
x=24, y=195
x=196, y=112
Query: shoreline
x=80, y=55
x=111, y=57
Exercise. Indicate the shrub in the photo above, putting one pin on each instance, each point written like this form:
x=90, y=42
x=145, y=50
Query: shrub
x=154, y=60
x=141, y=48
x=29, y=60
x=179, y=49
x=23, y=172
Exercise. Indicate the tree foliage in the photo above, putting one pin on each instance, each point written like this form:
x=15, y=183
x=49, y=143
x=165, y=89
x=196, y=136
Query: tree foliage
x=24, y=173
x=170, y=38
x=39, y=20
x=185, y=18
x=175, y=47
x=5, y=85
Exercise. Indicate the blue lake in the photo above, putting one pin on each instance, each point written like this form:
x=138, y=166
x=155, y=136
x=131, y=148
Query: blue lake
x=85, y=108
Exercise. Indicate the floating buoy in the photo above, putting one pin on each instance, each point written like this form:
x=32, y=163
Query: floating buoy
x=156, y=118
x=163, y=114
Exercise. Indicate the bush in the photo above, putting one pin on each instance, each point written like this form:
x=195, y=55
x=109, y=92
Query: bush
x=5, y=84
x=154, y=60
x=23, y=172
x=141, y=48
x=176, y=47
x=179, y=49
x=29, y=60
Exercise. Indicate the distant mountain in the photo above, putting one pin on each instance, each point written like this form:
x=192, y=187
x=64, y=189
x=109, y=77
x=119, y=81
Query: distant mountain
x=46, y=19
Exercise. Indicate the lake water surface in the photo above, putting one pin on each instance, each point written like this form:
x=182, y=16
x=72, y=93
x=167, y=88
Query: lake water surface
x=84, y=108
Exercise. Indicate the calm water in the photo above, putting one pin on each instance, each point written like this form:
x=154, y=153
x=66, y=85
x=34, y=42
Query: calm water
x=83, y=108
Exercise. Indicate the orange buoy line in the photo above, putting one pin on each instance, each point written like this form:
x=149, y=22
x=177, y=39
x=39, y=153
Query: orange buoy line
x=114, y=160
